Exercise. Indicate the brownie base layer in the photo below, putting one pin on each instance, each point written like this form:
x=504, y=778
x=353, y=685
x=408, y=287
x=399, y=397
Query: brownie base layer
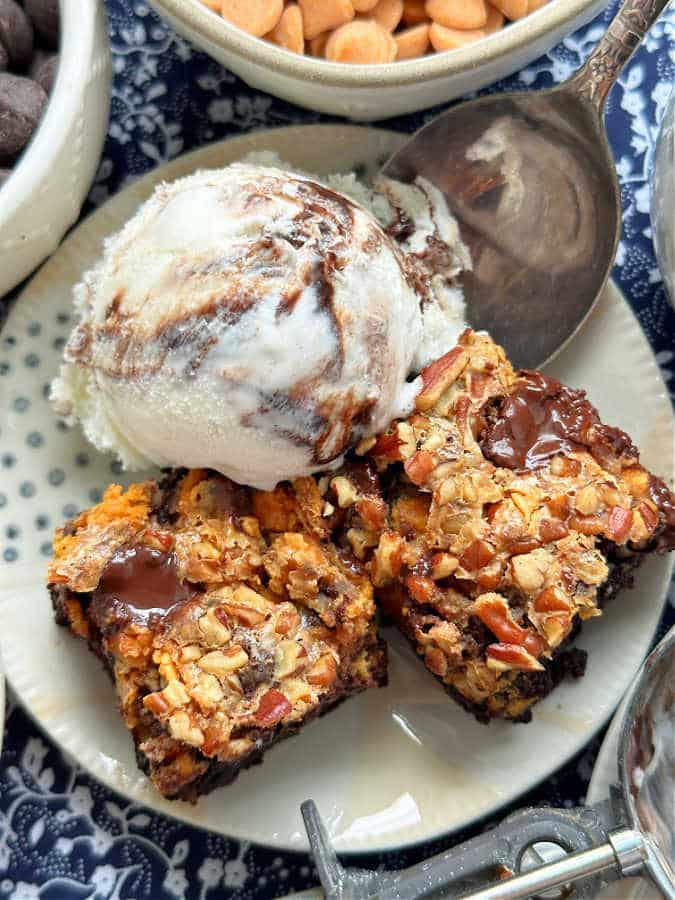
x=221, y=773
x=567, y=661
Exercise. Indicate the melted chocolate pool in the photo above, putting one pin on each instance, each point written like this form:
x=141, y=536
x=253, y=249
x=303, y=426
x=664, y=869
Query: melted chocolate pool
x=541, y=418
x=139, y=583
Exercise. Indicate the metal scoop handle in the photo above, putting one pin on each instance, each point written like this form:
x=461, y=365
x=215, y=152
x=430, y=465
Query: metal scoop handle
x=594, y=847
x=625, y=850
x=498, y=852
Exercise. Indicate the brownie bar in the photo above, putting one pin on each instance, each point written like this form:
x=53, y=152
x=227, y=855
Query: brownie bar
x=512, y=513
x=222, y=637
x=491, y=523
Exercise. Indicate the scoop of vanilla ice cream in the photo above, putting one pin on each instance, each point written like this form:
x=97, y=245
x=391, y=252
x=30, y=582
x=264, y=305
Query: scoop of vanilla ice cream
x=417, y=218
x=251, y=321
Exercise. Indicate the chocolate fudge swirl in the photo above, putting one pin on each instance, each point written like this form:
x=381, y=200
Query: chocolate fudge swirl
x=542, y=418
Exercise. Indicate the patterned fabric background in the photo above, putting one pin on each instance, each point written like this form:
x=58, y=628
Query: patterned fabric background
x=62, y=835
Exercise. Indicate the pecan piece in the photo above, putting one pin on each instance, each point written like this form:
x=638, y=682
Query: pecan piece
x=649, y=517
x=156, y=704
x=589, y=525
x=551, y=601
x=528, y=570
x=158, y=540
x=619, y=523
x=421, y=588
x=439, y=376
x=388, y=558
x=502, y=657
x=477, y=554
x=398, y=444
x=443, y=565
x=587, y=500
x=636, y=480
x=287, y=619
x=222, y=663
x=446, y=636
x=345, y=491
x=419, y=466
x=565, y=466
x=213, y=627
x=494, y=613
x=272, y=708
x=247, y=606
x=556, y=627
x=551, y=530
x=324, y=671
x=289, y=657
x=559, y=506
x=373, y=511
x=175, y=694
x=181, y=728
x=436, y=661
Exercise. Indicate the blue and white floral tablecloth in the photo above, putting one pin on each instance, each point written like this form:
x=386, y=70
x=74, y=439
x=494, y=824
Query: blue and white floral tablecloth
x=62, y=835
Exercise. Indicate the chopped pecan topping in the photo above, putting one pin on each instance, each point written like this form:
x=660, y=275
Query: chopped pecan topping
x=262, y=628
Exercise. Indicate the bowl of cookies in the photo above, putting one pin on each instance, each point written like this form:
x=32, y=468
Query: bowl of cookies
x=371, y=59
x=54, y=99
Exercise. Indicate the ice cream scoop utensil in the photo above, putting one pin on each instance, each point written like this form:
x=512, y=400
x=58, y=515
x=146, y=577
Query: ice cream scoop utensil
x=631, y=833
x=530, y=178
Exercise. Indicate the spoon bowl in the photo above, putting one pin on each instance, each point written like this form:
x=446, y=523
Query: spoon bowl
x=531, y=181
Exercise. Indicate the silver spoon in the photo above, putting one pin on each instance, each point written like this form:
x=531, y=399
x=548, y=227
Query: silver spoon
x=631, y=833
x=531, y=180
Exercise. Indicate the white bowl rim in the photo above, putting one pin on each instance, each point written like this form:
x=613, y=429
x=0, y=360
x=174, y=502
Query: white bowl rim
x=211, y=27
x=77, y=36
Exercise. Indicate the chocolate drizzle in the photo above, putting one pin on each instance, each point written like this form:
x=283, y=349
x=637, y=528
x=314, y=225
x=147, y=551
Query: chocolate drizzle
x=401, y=227
x=542, y=418
x=138, y=583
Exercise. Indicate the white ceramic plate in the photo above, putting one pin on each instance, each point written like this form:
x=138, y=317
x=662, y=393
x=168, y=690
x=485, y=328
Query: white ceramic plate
x=391, y=767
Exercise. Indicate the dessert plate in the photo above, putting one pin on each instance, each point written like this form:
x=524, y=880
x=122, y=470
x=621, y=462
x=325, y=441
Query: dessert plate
x=391, y=767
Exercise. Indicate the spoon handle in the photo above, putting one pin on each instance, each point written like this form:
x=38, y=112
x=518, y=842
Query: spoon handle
x=625, y=33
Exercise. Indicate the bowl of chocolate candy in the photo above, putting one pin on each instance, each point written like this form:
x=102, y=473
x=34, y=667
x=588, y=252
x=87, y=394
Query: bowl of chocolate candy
x=54, y=101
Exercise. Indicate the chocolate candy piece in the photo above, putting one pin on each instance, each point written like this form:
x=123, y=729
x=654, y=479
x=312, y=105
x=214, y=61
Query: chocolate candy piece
x=4, y=58
x=45, y=72
x=16, y=34
x=44, y=14
x=21, y=104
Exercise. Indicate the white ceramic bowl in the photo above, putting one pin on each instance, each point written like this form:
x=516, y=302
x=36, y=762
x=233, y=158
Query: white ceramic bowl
x=45, y=192
x=376, y=92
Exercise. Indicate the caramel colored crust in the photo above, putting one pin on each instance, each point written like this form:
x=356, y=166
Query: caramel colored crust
x=513, y=513
x=222, y=637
